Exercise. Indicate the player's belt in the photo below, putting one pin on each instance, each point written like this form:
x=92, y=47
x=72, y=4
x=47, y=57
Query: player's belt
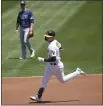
x=53, y=63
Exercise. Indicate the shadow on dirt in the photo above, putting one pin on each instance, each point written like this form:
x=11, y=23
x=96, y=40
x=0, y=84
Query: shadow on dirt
x=57, y=102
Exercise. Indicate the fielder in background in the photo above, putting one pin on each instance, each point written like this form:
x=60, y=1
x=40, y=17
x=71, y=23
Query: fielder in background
x=25, y=20
x=55, y=66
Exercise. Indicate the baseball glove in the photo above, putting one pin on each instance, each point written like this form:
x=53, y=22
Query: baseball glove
x=30, y=35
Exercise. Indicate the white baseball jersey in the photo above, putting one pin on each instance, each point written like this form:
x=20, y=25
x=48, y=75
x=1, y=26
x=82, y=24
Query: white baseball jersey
x=54, y=50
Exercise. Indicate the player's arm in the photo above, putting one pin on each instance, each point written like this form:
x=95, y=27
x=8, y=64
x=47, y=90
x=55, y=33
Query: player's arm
x=52, y=57
x=31, y=21
x=31, y=27
x=18, y=21
x=59, y=46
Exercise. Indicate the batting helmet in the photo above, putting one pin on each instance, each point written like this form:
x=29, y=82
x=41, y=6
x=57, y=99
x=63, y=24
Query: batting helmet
x=50, y=33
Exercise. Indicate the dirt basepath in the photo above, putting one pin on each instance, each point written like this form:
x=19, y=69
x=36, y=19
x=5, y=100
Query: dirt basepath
x=81, y=90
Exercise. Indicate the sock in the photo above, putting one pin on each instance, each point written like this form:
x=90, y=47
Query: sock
x=40, y=92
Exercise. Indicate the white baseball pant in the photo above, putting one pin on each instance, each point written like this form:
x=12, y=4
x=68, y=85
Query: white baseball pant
x=58, y=71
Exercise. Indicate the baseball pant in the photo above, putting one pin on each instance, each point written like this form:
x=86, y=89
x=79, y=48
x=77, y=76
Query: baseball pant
x=25, y=41
x=58, y=71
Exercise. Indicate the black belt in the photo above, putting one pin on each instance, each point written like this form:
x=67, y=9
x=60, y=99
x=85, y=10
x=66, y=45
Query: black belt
x=53, y=63
x=25, y=27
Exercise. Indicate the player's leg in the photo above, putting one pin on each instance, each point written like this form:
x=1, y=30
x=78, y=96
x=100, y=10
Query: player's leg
x=23, y=46
x=27, y=42
x=64, y=78
x=46, y=76
x=45, y=79
x=32, y=51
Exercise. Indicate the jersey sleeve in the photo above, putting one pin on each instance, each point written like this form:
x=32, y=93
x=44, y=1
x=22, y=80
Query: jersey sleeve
x=52, y=52
x=31, y=17
x=18, y=18
x=58, y=44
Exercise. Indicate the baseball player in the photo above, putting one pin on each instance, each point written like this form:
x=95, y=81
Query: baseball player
x=55, y=66
x=25, y=20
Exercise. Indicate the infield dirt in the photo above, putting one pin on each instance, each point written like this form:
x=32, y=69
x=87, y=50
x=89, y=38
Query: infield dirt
x=80, y=90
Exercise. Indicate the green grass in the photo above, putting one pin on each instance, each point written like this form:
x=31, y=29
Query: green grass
x=8, y=4
x=79, y=29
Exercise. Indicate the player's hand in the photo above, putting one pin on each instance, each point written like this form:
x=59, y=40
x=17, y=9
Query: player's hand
x=40, y=59
x=30, y=32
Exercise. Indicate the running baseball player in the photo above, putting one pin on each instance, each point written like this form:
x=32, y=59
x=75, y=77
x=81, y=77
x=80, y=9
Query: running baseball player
x=55, y=66
x=25, y=20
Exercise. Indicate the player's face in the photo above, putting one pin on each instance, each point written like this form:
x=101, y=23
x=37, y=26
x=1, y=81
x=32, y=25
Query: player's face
x=46, y=39
x=23, y=7
x=49, y=39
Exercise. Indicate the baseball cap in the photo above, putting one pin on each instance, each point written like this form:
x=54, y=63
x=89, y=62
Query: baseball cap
x=50, y=33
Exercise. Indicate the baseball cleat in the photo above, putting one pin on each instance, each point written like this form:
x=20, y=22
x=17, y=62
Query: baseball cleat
x=32, y=54
x=21, y=58
x=80, y=71
x=35, y=98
